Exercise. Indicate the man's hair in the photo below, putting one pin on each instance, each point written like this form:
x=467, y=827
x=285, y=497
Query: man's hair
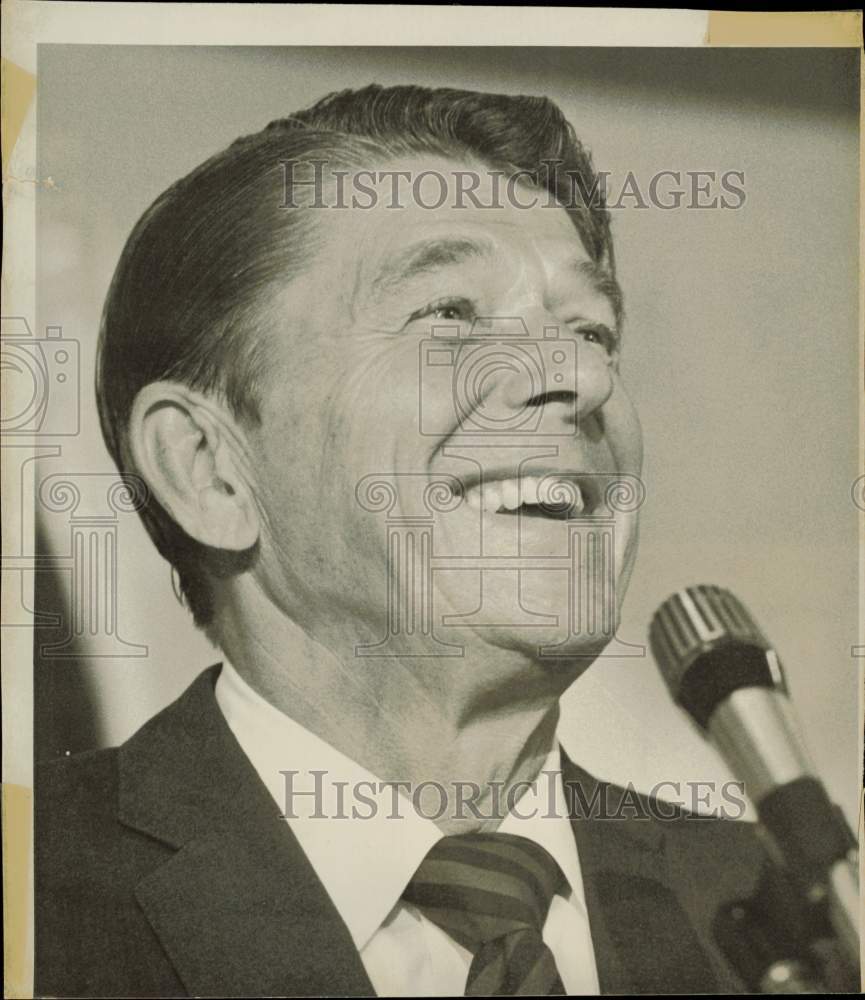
x=186, y=301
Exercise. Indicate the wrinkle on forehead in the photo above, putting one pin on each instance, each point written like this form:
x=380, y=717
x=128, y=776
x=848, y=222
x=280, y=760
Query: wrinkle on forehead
x=425, y=256
x=382, y=249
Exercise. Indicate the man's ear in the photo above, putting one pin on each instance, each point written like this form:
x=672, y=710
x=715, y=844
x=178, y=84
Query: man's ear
x=189, y=451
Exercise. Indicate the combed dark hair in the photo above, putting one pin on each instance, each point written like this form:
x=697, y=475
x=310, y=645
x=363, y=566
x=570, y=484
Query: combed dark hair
x=186, y=299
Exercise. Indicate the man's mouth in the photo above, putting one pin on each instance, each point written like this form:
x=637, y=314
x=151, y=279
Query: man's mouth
x=553, y=496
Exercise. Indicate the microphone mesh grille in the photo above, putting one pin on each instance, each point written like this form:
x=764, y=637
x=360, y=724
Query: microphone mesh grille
x=697, y=620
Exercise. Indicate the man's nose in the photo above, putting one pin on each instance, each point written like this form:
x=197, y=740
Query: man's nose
x=564, y=377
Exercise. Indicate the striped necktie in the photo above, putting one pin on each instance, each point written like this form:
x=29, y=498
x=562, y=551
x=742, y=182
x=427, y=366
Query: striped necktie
x=491, y=893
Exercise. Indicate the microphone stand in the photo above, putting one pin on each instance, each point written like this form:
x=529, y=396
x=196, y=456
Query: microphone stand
x=800, y=929
x=779, y=942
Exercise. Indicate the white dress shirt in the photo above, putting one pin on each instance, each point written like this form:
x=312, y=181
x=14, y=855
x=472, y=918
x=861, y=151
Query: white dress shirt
x=365, y=863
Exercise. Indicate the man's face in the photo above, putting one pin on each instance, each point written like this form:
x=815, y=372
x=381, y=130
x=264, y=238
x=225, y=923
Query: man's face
x=471, y=347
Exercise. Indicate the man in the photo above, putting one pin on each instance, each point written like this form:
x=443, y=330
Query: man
x=367, y=362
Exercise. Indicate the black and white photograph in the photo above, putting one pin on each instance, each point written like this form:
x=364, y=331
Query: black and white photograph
x=433, y=503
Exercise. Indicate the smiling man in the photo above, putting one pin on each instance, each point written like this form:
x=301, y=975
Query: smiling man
x=382, y=425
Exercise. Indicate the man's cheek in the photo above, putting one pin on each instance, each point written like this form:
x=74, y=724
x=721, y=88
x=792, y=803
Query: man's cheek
x=378, y=406
x=623, y=431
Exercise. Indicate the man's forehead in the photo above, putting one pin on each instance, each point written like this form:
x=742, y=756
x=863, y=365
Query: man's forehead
x=424, y=251
x=397, y=247
x=405, y=193
x=404, y=262
x=382, y=248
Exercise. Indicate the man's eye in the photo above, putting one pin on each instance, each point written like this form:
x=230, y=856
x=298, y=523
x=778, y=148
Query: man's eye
x=447, y=312
x=602, y=335
x=446, y=309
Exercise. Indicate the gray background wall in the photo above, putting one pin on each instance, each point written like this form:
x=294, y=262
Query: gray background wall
x=741, y=349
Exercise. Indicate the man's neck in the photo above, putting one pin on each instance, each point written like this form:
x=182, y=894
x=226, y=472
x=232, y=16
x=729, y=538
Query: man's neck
x=476, y=743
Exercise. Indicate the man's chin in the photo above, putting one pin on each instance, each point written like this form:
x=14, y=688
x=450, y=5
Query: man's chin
x=555, y=646
x=536, y=613
x=555, y=649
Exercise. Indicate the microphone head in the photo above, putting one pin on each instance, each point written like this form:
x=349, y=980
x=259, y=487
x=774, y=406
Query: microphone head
x=707, y=645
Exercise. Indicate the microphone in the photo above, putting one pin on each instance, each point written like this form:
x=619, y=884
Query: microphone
x=722, y=670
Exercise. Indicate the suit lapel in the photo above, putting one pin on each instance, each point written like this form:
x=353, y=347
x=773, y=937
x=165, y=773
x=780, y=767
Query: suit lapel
x=240, y=911
x=644, y=941
x=238, y=908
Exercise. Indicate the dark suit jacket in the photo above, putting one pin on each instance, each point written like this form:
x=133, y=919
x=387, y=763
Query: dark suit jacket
x=163, y=868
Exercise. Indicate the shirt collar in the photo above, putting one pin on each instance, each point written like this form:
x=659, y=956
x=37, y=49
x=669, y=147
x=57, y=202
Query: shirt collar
x=365, y=863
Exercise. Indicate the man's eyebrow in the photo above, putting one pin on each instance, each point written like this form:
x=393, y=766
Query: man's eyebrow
x=602, y=280
x=421, y=258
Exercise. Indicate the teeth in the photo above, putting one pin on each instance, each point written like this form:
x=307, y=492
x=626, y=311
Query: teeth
x=510, y=494
x=473, y=499
x=492, y=498
x=529, y=487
